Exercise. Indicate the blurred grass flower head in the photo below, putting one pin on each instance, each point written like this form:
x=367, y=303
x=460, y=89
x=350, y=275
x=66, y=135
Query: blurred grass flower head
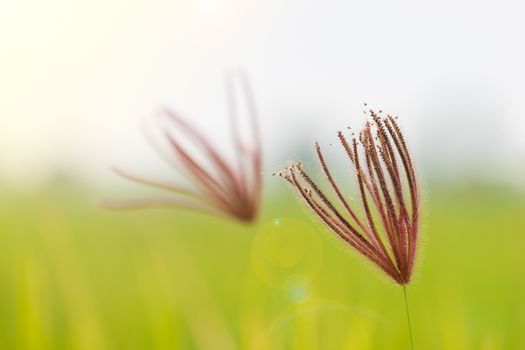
x=387, y=232
x=217, y=186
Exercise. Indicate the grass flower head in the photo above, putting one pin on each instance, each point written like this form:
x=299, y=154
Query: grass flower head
x=217, y=186
x=386, y=228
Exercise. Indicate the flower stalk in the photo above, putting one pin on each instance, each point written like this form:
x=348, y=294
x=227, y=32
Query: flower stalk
x=385, y=229
x=408, y=318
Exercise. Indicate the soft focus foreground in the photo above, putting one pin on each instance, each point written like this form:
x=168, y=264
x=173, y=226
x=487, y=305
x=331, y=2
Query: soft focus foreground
x=73, y=276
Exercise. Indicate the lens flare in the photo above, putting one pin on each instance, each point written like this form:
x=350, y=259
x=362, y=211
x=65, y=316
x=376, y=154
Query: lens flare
x=286, y=247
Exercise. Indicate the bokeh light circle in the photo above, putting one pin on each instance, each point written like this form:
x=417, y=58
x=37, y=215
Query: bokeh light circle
x=328, y=324
x=287, y=254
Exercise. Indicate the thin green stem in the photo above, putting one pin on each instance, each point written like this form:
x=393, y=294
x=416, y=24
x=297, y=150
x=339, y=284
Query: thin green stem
x=408, y=318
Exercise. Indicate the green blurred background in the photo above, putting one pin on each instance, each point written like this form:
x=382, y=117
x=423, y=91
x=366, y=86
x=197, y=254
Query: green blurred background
x=79, y=80
x=73, y=276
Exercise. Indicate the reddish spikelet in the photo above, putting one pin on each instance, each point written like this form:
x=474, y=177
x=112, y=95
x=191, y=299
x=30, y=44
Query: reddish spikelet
x=218, y=187
x=386, y=232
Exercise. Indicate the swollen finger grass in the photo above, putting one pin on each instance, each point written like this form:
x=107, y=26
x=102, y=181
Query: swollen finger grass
x=218, y=186
x=385, y=231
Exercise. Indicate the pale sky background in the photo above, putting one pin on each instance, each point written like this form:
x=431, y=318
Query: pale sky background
x=78, y=77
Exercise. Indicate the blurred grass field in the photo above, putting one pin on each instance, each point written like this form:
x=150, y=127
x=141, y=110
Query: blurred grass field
x=74, y=276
